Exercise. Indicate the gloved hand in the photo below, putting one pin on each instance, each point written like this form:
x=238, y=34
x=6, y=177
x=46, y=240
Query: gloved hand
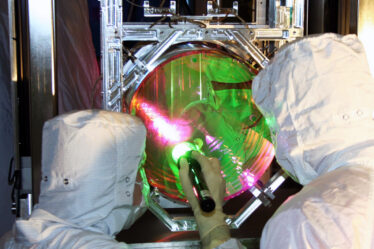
x=212, y=226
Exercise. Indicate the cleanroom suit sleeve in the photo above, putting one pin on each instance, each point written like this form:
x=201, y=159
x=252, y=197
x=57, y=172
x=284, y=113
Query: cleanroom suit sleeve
x=231, y=244
x=333, y=211
x=59, y=236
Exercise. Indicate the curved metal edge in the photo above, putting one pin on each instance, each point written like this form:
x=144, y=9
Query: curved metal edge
x=141, y=67
x=249, y=243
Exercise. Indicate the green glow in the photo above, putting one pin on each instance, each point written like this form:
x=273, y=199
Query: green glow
x=271, y=121
x=226, y=70
x=181, y=149
x=209, y=92
x=198, y=143
x=146, y=188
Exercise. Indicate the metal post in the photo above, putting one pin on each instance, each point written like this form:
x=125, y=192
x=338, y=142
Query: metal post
x=260, y=12
x=111, y=48
x=14, y=98
x=272, y=12
x=43, y=105
x=298, y=14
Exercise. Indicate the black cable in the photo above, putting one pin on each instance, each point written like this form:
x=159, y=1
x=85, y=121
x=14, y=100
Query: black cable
x=242, y=20
x=169, y=23
x=222, y=19
x=201, y=24
x=14, y=178
x=131, y=11
x=10, y=176
x=14, y=196
x=134, y=4
x=159, y=21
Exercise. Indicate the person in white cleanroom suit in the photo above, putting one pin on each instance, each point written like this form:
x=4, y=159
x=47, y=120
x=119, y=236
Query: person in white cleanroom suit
x=317, y=95
x=89, y=191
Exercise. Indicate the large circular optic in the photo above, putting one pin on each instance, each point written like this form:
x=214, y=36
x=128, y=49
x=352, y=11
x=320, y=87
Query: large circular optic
x=202, y=98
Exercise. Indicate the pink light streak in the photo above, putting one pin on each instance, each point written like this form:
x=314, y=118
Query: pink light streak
x=195, y=191
x=248, y=178
x=213, y=143
x=169, y=131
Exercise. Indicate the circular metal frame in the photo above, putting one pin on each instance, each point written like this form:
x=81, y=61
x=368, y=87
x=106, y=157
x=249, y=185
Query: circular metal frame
x=190, y=48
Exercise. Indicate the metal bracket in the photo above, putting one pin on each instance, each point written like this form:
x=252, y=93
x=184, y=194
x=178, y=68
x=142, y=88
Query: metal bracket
x=150, y=11
x=222, y=12
x=261, y=195
x=264, y=195
x=251, y=49
x=117, y=80
x=237, y=38
x=111, y=47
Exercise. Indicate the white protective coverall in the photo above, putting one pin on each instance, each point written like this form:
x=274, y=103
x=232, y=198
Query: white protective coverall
x=317, y=95
x=89, y=191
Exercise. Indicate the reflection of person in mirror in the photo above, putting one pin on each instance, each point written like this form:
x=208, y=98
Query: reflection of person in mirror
x=317, y=95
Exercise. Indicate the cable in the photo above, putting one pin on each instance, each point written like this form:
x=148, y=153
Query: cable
x=201, y=24
x=159, y=21
x=177, y=18
x=14, y=178
x=134, y=4
x=242, y=20
x=223, y=18
x=162, y=4
x=140, y=6
x=129, y=15
x=10, y=176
